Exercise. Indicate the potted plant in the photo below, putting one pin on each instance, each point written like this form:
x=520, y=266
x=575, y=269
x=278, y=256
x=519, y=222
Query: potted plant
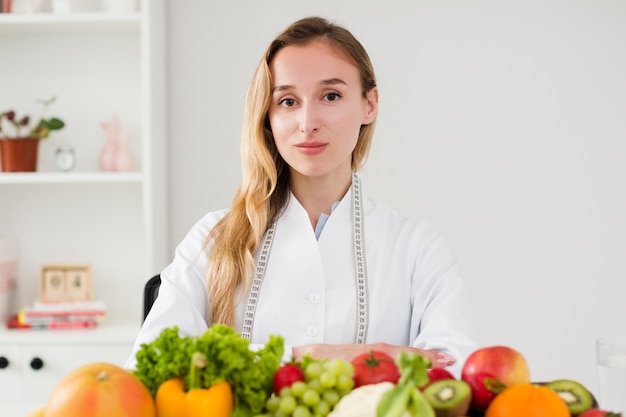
x=19, y=139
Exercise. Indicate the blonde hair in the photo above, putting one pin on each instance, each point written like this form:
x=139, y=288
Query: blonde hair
x=265, y=185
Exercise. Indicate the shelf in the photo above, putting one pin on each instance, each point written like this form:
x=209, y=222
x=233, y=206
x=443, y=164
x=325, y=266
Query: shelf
x=70, y=177
x=69, y=18
x=42, y=22
x=105, y=333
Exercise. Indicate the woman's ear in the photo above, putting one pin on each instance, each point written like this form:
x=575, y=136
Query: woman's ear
x=371, y=98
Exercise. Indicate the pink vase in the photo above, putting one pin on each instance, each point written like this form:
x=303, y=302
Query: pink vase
x=114, y=155
x=122, y=156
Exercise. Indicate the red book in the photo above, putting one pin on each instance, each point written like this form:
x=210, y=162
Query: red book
x=45, y=313
x=14, y=323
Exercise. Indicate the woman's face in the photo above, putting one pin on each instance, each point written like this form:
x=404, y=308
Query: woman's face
x=317, y=109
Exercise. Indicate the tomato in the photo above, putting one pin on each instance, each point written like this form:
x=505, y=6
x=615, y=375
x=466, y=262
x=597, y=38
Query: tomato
x=287, y=375
x=374, y=367
x=435, y=374
x=594, y=412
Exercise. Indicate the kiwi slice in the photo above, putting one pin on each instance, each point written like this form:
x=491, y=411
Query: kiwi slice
x=576, y=396
x=449, y=397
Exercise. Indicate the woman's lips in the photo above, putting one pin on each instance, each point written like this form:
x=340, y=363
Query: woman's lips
x=311, y=148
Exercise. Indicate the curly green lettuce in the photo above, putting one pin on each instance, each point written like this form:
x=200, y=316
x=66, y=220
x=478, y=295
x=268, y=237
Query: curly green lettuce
x=249, y=373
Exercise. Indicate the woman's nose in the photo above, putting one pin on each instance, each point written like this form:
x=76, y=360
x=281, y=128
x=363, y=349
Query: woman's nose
x=309, y=118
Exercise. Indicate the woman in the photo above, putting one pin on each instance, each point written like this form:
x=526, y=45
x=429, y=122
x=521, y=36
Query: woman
x=302, y=253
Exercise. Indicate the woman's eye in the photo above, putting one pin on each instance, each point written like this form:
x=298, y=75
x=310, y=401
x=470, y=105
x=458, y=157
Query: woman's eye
x=287, y=102
x=332, y=96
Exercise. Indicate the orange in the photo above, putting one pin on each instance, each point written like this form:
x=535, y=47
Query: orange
x=525, y=400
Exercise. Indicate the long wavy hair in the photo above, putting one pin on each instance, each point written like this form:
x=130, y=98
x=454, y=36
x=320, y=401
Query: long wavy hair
x=265, y=186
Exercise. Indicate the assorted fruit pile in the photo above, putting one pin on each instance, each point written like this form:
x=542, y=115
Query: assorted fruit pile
x=217, y=374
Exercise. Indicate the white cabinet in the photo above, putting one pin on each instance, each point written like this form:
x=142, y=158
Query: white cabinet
x=96, y=64
x=32, y=363
x=42, y=366
x=9, y=373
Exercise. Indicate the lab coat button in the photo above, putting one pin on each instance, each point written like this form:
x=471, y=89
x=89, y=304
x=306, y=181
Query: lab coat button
x=314, y=298
x=312, y=331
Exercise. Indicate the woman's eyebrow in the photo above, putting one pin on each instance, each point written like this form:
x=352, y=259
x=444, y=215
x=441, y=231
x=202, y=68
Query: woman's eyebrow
x=333, y=81
x=281, y=88
x=330, y=81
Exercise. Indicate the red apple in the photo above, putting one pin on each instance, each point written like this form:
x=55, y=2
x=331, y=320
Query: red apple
x=491, y=369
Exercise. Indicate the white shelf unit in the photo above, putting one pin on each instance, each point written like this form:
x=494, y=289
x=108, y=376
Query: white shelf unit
x=96, y=64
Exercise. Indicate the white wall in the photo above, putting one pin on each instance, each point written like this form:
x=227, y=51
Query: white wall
x=503, y=123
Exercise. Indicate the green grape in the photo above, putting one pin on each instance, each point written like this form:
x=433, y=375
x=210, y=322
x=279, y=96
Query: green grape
x=349, y=369
x=328, y=379
x=298, y=388
x=313, y=370
x=310, y=397
x=287, y=404
x=331, y=397
x=322, y=408
x=301, y=411
x=344, y=382
x=315, y=385
x=336, y=366
x=272, y=403
x=344, y=392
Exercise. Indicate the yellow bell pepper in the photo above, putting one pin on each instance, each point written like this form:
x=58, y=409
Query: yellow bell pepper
x=215, y=401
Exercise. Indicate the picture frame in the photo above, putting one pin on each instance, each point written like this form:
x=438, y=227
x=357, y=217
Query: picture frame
x=65, y=283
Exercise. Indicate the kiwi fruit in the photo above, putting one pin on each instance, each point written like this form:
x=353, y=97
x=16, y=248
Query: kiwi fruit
x=576, y=396
x=449, y=397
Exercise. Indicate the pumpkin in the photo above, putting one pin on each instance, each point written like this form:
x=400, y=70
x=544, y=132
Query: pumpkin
x=100, y=390
x=525, y=400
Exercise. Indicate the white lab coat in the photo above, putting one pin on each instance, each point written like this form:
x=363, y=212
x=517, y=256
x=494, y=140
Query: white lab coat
x=308, y=295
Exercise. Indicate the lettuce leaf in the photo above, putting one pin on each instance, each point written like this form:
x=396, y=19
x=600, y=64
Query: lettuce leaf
x=249, y=373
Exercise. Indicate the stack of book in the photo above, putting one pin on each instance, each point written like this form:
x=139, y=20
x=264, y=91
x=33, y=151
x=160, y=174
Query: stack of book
x=67, y=315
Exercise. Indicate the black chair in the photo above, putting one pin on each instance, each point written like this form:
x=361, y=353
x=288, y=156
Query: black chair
x=150, y=293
